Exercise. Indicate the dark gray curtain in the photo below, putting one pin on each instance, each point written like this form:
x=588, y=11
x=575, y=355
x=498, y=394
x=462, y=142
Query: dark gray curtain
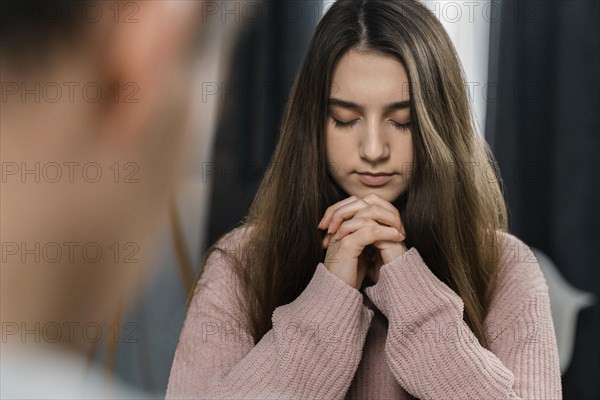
x=543, y=126
x=265, y=63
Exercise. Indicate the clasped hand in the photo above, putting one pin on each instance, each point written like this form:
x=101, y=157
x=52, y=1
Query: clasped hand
x=363, y=234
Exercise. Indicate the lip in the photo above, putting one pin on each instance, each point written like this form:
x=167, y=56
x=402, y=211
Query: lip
x=375, y=178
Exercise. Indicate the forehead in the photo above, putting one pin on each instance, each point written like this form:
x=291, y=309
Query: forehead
x=369, y=77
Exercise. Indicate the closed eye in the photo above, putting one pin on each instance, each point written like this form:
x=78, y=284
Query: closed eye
x=349, y=124
x=344, y=125
x=402, y=127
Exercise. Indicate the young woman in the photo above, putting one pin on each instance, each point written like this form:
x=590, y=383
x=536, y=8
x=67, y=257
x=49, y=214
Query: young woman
x=374, y=262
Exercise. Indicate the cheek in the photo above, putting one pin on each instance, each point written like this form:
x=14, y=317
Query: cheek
x=332, y=145
x=340, y=144
x=405, y=150
x=407, y=161
x=336, y=152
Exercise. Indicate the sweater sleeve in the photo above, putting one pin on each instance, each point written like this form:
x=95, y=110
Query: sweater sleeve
x=434, y=354
x=312, y=351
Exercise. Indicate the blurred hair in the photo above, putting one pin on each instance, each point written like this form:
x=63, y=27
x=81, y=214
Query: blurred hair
x=452, y=214
x=29, y=29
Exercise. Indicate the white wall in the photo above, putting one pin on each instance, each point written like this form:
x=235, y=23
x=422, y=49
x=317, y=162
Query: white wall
x=468, y=25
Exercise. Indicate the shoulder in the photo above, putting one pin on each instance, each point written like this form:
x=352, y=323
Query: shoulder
x=234, y=239
x=518, y=269
x=519, y=277
x=218, y=288
x=230, y=244
x=221, y=256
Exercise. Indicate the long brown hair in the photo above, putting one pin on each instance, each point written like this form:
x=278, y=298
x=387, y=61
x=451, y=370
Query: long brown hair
x=453, y=208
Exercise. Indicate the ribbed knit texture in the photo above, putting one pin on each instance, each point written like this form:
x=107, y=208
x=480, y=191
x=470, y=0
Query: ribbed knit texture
x=405, y=337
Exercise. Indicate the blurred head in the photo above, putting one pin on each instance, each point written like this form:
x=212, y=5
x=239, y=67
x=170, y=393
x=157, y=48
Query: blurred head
x=94, y=105
x=381, y=90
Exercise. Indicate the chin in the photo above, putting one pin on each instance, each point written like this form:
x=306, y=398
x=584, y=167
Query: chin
x=388, y=194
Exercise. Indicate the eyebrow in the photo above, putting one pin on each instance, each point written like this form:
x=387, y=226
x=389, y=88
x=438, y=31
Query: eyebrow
x=355, y=106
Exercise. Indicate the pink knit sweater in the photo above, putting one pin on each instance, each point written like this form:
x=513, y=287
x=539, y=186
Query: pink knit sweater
x=403, y=336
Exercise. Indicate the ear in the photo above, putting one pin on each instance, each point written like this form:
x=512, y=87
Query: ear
x=145, y=46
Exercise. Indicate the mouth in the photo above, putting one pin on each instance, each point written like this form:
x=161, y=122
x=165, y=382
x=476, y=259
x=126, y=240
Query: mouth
x=375, y=179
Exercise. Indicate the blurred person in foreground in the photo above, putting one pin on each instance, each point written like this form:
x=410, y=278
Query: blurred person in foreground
x=95, y=99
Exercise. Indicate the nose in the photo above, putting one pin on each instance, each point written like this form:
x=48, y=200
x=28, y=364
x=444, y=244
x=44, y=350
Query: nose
x=373, y=145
